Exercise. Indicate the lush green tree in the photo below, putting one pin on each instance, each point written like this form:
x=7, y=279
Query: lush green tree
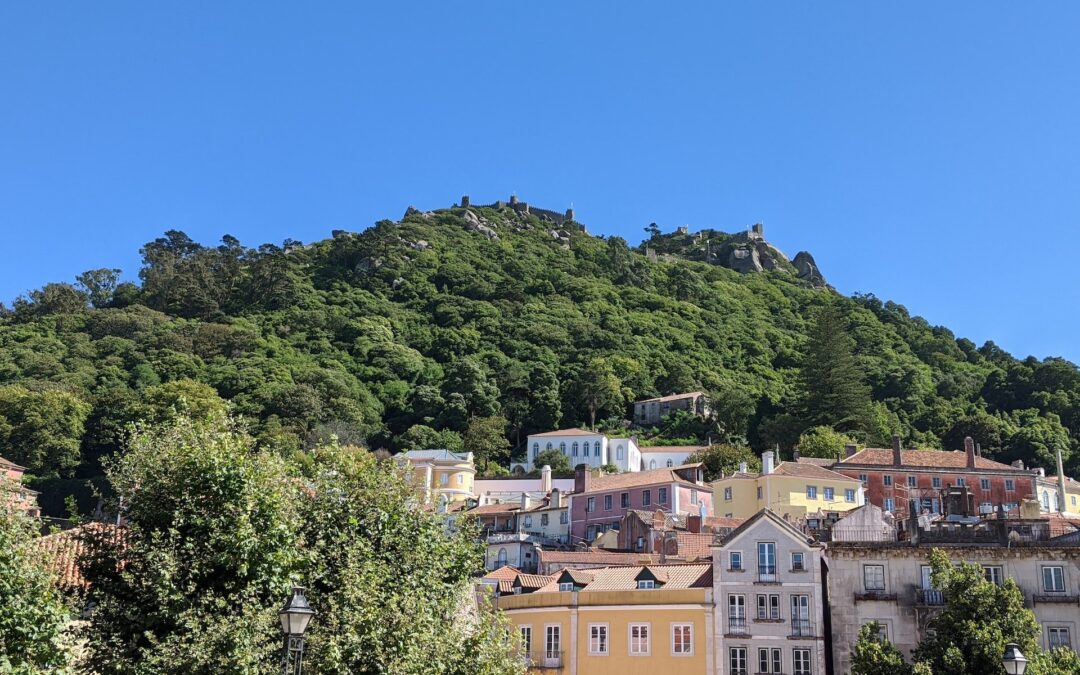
x=874, y=655
x=32, y=612
x=42, y=428
x=99, y=285
x=559, y=463
x=834, y=386
x=721, y=459
x=823, y=442
x=599, y=389
x=421, y=437
x=184, y=397
x=486, y=439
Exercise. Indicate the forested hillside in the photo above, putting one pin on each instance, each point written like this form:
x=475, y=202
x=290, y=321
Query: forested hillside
x=401, y=335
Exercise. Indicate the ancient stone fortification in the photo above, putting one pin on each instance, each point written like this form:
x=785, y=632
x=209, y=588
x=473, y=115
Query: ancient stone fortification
x=524, y=208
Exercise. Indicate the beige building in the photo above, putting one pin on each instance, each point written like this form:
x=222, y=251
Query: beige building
x=769, y=600
x=889, y=582
x=653, y=410
x=440, y=476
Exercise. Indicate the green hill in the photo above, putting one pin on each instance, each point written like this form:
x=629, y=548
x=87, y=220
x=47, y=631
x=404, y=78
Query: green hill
x=398, y=335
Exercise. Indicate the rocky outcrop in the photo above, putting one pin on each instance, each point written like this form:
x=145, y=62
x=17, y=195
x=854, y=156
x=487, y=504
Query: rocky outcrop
x=808, y=270
x=478, y=224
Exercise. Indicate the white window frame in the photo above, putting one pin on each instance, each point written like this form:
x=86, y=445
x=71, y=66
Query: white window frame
x=1009, y=485
x=731, y=564
x=913, y=481
x=849, y=495
x=1050, y=642
x=890, y=504
x=1060, y=576
x=566, y=586
x=866, y=586
x=688, y=646
x=634, y=648
x=727, y=494
x=550, y=653
x=811, y=492
x=984, y=483
x=444, y=479
x=774, y=660
x=590, y=505
x=808, y=655
x=995, y=574
x=693, y=496
x=733, y=665
x=646, y=585
x=828, y=494
x=602, y=645
x=802, y=561
x=526, y=643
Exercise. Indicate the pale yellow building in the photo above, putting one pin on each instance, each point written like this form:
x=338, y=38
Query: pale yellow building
x=639, y=620
x=442, y=477
x=793, y=490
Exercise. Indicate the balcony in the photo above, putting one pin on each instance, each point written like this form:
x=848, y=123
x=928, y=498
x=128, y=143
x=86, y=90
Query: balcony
x=737, y=626
x=929, y=597
x=874, y=596
x=801, y=628
x=544, y=658
x=1054, y=597
x=766, y=574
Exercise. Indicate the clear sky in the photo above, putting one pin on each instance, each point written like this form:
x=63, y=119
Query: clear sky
x=924, y=152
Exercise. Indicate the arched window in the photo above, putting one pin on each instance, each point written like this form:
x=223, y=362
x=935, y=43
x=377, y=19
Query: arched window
x=562, y=448
x=619, y=451
x=670, y=463
x=549, y=446
x=501, y=560
x=574, y=449
x=596, y=449
x=536, y=449
x=652, y=464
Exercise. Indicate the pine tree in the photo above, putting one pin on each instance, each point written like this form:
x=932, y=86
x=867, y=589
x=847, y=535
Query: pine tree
x=835, y=392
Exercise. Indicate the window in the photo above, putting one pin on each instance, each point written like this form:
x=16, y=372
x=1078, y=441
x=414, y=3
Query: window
x=937, y=481
x=735, y=560
x=525, y=632
x=882, y=631
x=811, y=492
x=551, y=642
x=564, y=518
x=639, y=639
x=801, y=661
x=607, y=502
x=984, y=483
x=1073, y=500
x=830, y=494
x=574, y=449
x=862, y=477
x=887, y=480
x=800, y=616
x=549, y=446
x=646, y=497
x=768, y=606
x=590, y=505
x=598, y=640
x=798, y=561
x=960, y=482
x=769, y=660
x=536, y=451
x=444, y=478
x=1058, y=637
x=624, y=500
x=737, y=660
x=596, y=449
x=986, y=507
x=619, y=451
x=670, y=463
x=652, y=463
x=727, y=494
x=849, y=495
x=528, y=521
x=500, y=560
x=736, y=606
x=766, y=551
x=566, y=586
x=682, y=639
x=759, y=492
x=1053, y=579
x=646, y=584
x=873, y=577
x=661, y=495
x=693, y=497
x=1009, y=485
x=912, y=481
x=889, y=504
x=562, y=448
x=993, y=574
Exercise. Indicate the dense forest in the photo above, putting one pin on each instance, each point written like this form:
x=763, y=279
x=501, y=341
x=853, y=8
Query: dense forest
x=415, y=333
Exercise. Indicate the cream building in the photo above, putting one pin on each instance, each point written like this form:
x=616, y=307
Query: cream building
x=440, y=476
x=582, y=446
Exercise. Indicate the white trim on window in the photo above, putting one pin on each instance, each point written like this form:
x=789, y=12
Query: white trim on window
x=686, y=632
x=641, y=644
x=599, y=636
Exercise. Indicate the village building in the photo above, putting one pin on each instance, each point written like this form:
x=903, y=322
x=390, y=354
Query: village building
x=667, y=456
x=617, y=620
x=1058, y=493
x=894, y=478
x=600, y=502
x=769, y=599
x=582, y=446
x=18, y=497
x=654, y=410
x=800, y=492
x=686, y=537
x=441, y=477
x=510, y=489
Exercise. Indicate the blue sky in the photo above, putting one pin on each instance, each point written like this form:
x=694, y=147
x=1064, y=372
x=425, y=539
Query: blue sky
x=924, y=152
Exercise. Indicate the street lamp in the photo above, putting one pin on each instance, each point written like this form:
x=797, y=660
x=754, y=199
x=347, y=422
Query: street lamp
x=295, y=616
x=1014, y=660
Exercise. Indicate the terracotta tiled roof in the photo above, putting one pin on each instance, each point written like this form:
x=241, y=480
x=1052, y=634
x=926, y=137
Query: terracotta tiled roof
x=571, y=558
x=695, y=545
x=674, y=448
x=579, y=577
x=670, y=397
x=695, y=575
x=800, y=470
x=826, y=462
x=534, y=580
x=641, y=478
x=568, y=432
x=8, y=465
x=936, y=459
x=488, y=509
x=506, y=587
x=506, y=572
x=63, y=550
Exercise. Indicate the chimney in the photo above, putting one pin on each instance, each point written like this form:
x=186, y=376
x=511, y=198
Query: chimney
x=795, y=455
x=526, y=502
x=693, y=524
x=897, y=458
x=969, y=450
x=1061, y=481
x=545, y=479
x=1018, y=464
x=1041, y=471
x=582, y=478
x=767, y=462
x=850, y=449
x=743, y=468
x=555, y=501
x=978, y=449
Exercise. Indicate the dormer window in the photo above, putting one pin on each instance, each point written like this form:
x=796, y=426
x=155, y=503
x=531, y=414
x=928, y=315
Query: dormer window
x=567, y=586
x=646, y=584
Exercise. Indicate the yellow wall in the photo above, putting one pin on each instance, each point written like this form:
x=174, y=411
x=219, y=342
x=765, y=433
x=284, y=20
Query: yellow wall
x=454, y=491
x=1045, y=485
x=617, y=609
x=787, y=496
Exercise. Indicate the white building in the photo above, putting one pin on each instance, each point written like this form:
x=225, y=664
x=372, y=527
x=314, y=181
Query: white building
x=769, y=612
x=586, y=447
x=667, y=456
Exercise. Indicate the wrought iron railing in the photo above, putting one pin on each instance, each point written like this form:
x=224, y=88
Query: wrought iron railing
x=737, y=625
x=766, y=574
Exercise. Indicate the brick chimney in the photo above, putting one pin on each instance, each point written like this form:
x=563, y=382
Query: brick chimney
x=969, y=450
x=897, y=457
x=850, y=449
x=693, y=524
x=582, y=478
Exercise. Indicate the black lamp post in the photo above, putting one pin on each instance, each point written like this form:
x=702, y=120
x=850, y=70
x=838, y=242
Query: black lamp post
x=1014, y=660
x=295, y=616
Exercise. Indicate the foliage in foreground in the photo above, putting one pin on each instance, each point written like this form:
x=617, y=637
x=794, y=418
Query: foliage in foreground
x=219, y=531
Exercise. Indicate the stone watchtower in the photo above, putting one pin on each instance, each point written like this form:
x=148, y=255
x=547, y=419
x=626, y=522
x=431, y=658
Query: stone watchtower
x=464, y=201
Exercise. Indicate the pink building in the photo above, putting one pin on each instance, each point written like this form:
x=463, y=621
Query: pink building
x=600, y=502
